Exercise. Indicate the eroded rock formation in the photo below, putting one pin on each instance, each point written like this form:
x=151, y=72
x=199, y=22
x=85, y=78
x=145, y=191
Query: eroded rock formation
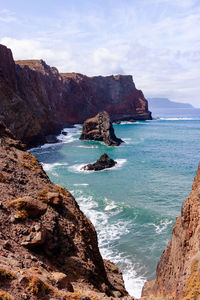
x=99, y=128
x=48, y=248
x=104, y=162
x=178, y=271
x=35, y=100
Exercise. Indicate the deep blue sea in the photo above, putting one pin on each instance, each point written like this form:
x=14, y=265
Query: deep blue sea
x=133, y=206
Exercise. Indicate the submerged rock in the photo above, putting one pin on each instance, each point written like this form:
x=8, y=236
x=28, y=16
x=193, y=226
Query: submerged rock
x=100, y=128
x=51, y=139
x=104, y=162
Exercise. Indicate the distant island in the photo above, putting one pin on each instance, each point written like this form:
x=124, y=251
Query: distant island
x=166, y=103
x=165, y=108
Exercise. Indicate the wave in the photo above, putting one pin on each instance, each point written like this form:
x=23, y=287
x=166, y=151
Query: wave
x=62, y=138
x=81, y=184
x=177, y=119
x=109, y=231
x=49, y=167
x=88, y=146
x=128, y=123
x=159, y=228
x=71, y=134
x=120, y=163
x=77, y=168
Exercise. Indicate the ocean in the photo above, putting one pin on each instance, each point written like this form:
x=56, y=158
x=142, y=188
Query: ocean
x=133, y=206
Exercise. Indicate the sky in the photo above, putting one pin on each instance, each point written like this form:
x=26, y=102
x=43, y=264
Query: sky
x=156, y=41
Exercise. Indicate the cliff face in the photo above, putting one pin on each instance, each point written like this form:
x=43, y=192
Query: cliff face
x=35, y=100
x=177, y=274
x=48, y=248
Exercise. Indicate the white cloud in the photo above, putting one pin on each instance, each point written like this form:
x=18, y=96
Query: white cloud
x=7, y=16
x=157, y=41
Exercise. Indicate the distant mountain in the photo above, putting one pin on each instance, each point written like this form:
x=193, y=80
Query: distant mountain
x=161, y=103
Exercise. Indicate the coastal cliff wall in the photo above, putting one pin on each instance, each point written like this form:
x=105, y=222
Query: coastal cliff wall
x=48, y=248
x=178, y=271
x=35, y=100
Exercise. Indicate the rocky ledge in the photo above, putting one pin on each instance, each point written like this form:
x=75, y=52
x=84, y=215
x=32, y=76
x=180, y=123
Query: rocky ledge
x=100, y=128
x=104, y=162
x=178, y=271
x=48, y=248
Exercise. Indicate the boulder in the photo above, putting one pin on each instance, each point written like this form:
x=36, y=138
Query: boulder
x=100, y=128
x=51, y=139
x=36, y=238
x=62, y=281
x=104, y=162
x=33, y=207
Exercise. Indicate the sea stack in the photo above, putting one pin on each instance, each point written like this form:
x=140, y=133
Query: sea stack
x=104, y=162
x=100, y=128
x=178, y=271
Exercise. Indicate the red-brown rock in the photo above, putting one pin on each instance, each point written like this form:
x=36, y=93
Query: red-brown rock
x=50, y=234
x=36, y=101
x=177, y=274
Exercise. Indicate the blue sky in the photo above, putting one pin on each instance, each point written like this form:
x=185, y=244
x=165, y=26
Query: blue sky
x=156, y=41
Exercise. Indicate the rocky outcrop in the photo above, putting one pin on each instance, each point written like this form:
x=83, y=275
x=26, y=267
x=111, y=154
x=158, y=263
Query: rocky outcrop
x=48, y=248
x=177, y=274
x=100, y=128
x=104, y=162
x=36, y=101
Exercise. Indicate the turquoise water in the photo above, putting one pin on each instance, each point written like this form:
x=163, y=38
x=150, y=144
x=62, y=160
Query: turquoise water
x=133, y=205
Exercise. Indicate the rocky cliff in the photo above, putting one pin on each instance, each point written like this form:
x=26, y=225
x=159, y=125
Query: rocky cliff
x=35, y=100
x=178, y=271
x=48, y=248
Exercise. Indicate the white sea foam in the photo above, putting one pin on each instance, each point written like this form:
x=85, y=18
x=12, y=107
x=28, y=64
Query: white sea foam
x=77, y=168
x=110, y=206
x=50, y=167
x=133, y=283
x=71, y=134
x=108, y=233
x=120, y=163
x=159, y=228
x=69, y=138
x=162, y=226
x=128, y=122
x=87, y=146
x=80, y=184
x=177, y=119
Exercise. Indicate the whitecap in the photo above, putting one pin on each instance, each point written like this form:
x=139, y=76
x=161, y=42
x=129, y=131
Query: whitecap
x=177, y=119
x=128, y=123
x=120, y=163
x=87, y=146
x=108, y=232
x=159, y=228
x=80, y=184
x=49, y=167
x=77, y=168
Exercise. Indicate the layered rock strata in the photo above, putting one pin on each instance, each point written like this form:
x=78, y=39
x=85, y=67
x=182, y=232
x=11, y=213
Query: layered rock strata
x=99, y=128
x=36, y=100
x=104, y=162
x=48, y=248
x=178, y=271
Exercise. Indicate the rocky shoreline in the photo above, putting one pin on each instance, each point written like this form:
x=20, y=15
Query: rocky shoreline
x=48, y=248
x=37, y=101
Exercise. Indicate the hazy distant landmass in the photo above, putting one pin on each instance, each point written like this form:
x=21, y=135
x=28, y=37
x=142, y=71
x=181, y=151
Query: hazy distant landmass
x=165, y=108
x=166, y=103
